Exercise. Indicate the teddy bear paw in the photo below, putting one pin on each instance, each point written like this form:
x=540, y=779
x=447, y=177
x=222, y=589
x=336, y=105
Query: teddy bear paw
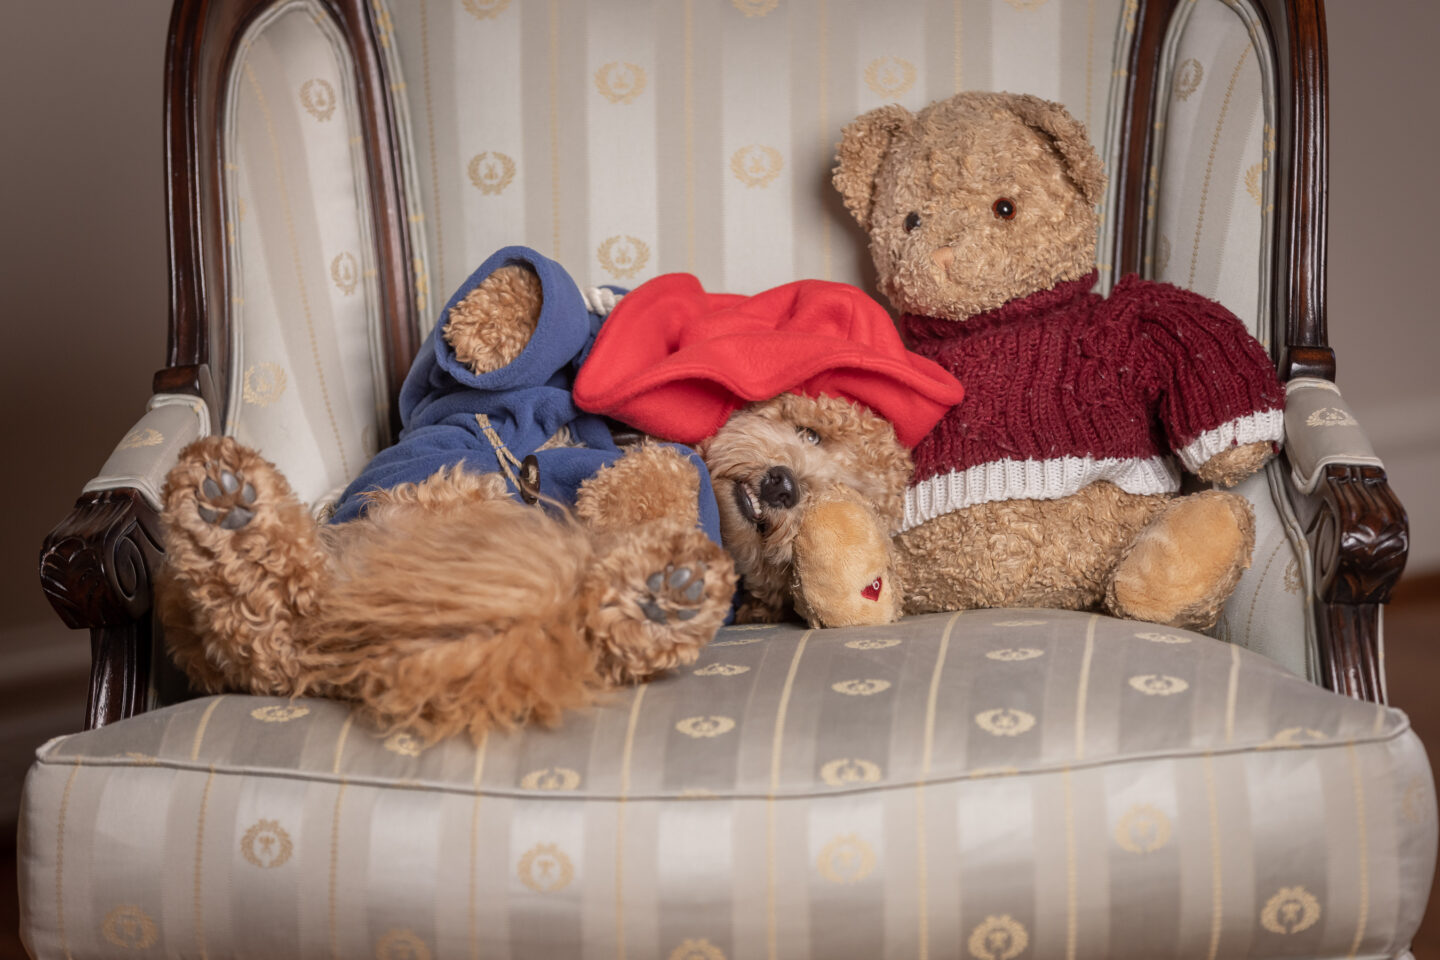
x=225, y=498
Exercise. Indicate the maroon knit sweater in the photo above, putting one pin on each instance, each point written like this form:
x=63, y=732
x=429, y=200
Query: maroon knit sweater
x=1065, y=387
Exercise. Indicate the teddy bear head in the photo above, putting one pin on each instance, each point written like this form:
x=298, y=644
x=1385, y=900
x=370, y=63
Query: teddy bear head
x=972, y=202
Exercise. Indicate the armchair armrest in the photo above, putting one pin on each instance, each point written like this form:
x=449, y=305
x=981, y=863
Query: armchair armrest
x=98, y=564
x=1359, y=534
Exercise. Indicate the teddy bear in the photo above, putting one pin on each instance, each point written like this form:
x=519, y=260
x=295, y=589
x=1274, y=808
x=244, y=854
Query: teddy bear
x=1053, y=482
x=448, y=592
x=803, y=402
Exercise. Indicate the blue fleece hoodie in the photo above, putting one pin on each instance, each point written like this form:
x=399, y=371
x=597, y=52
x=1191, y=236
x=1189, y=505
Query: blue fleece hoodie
x=525, y=402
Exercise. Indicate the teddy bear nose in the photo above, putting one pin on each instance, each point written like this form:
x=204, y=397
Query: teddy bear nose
x=777, y=488
x=943, y=258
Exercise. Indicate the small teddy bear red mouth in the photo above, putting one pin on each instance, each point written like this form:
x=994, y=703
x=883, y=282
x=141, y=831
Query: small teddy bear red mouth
x=872, y=592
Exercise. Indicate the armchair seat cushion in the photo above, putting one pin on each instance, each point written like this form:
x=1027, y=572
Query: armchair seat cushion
x=993, y=784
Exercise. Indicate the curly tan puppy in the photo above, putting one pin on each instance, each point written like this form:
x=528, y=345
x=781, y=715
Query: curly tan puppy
x=774, y=465
x=449, y=606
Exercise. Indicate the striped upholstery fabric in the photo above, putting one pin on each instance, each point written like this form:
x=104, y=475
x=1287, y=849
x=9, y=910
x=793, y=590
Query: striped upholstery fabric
x=306, y=386
x=996, y=785
x=629, y=138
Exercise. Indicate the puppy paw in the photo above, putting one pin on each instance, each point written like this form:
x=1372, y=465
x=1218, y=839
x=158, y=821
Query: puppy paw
x=656, y=595
x=225, y=498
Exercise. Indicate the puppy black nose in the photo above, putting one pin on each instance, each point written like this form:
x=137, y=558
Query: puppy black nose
x=777, y=488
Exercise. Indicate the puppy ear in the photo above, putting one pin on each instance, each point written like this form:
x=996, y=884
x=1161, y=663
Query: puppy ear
x=1081, y=161
x=863, y=145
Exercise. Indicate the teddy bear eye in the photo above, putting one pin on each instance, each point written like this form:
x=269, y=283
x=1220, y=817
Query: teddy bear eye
x=1004, y=208
x=912, y=221
x=808, y=435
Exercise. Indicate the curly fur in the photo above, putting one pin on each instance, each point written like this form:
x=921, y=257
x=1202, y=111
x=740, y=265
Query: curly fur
x=856, y=449
x=924, y=187
x=492, y=325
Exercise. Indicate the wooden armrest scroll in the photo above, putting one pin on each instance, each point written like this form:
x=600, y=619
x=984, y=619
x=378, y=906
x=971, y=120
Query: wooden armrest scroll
x=1360, y=537
x=97, y=567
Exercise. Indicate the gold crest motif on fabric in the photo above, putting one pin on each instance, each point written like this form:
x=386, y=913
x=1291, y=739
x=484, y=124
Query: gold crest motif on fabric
x=755, y=8
x=845, y=771
x=545, y=868
x=1292, y=737
x=890, y=76
x=1164, y=637
x=264, y=383
x=486, y=9
x=1330, y=417
x=756, y=165
x=877, y=643
x=1013, y=654
x=1187, y=78
x=620, y=82
x=623, y=256
x=1019, y=623
x=846, y=859
x=401, y=945
x=1004, y=721
x=1158, y=685
x=998, y=938
x=697, y=950
x=141, y=438
x=404, y=743
x=491, y=171
x=1162, y=254
x=551, y=778
x=318, y=98
x=867, y=687
x=345, y=271
x=738, y=641
x=1142, y=829
x=266, y=844
x=1293, y=583
x=722, y=670
x=130, y=927
x=1291, y=910
x=705, y=727
x=280, y=713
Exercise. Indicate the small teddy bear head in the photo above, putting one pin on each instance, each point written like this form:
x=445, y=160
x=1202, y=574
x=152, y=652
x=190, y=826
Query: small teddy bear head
x=972, y=202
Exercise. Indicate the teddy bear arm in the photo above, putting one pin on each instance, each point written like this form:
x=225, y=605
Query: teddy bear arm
x=1229, y=467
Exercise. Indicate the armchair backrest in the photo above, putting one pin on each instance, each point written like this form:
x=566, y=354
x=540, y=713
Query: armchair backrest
x=368, y=154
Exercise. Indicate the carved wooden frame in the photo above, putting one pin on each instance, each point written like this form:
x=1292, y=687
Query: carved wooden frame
x=98, y=565
x=1360, y=534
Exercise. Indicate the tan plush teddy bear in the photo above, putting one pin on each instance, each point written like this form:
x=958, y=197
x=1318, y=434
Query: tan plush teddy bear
x=1053, y=482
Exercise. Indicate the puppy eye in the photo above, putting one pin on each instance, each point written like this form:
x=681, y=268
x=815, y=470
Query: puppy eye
x=1004, y=208
x=912, y=221
x=808, y=435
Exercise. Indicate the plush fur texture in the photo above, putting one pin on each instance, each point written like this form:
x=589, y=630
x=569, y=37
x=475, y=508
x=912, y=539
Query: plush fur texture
x=449, y=606
x=976, y=201
x=835, y=451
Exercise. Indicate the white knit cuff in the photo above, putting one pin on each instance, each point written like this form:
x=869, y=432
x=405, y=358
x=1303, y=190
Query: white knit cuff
x=1267, y=426
x=1033, y=480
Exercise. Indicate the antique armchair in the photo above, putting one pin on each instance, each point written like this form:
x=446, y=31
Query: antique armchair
x=994, y=784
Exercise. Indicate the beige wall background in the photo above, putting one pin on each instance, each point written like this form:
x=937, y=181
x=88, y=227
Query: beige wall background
x=83, y=278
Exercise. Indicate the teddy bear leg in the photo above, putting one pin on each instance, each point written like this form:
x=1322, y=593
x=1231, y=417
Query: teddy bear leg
x=491, y=326
x=844, y=572
x=243, y=567
x=1183, y=566
x=654, y=597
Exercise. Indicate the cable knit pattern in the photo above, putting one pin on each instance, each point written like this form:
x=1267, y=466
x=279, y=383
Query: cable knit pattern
x=1065, y=387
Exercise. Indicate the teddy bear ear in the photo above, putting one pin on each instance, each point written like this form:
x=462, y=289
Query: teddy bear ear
x=1081, y=161
x=863, y=145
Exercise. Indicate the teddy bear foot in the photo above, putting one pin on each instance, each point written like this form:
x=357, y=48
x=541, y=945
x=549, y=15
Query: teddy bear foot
x=1183, y=566
x=658, y=594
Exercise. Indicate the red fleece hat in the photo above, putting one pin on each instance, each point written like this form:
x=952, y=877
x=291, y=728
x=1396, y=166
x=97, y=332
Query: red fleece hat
x=675, y=361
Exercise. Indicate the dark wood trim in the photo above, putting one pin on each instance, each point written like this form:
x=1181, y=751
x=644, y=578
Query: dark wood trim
x=98, y=565
x=1360, y=538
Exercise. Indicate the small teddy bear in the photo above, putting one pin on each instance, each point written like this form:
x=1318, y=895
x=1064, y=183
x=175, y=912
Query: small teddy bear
x=448, y=595
x=803, y=403
x=1051, y=484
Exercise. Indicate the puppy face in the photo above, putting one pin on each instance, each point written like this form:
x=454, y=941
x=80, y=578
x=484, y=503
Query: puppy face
x=771, y=457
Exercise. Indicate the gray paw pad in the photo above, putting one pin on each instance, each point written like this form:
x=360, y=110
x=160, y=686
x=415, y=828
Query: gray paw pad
x=219, y=502
x=676, y=593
